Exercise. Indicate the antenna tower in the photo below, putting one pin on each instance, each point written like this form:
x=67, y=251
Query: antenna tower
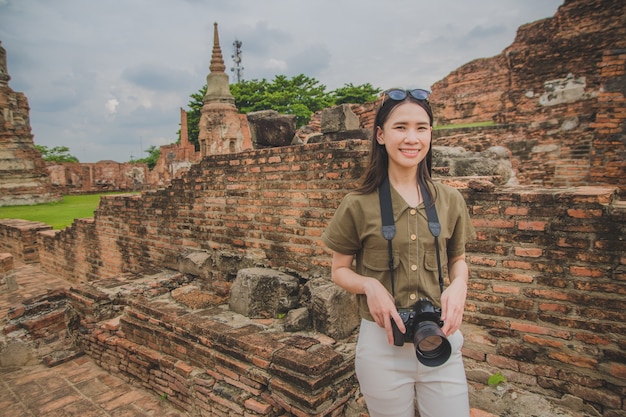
x=236, y=56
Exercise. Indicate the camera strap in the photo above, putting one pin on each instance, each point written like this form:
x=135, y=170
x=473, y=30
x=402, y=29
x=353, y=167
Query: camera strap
x=389, y=228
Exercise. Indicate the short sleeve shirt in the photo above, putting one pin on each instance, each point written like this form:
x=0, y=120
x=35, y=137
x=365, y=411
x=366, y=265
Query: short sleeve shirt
x=355, y=229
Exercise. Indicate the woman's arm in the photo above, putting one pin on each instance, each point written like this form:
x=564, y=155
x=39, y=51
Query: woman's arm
x=379, y=301
x=453, y=298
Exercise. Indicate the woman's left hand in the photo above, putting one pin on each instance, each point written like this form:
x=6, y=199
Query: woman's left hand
x=453, y=298
x=452, y=306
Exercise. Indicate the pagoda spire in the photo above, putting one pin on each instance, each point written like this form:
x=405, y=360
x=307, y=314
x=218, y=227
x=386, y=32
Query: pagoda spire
x=217, y=61
x=221, y=129
x=218, y=89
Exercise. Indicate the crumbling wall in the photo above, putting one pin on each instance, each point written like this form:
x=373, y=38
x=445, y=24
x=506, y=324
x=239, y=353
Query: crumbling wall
x=207, y=361
x=77, y=177
x=20, y=238
x=545, y=270
x=23, y=176
x=268, y=206
x=549, y=71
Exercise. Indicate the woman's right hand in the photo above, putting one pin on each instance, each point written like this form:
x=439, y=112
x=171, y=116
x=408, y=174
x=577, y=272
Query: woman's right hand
x=382, y=307
x=379, y=301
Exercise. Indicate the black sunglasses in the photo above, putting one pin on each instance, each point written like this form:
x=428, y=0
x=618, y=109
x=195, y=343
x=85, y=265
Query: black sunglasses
x=398, y=95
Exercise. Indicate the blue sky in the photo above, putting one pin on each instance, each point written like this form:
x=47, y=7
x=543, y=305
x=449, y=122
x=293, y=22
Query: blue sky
x=107, y=78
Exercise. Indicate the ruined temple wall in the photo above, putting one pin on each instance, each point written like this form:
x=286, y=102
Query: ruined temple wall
x=580, y=142
x=547, y=156
x=547, y=269
x=76, y=177
x=608, y=157
x=72, y=177
x=174, y=161
x=546, y=291
x=23, y=176
x=20, y=239
x=551, y=64
x=77, y=254
x=268, y=207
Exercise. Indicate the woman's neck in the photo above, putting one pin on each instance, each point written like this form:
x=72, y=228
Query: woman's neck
x=405, y=183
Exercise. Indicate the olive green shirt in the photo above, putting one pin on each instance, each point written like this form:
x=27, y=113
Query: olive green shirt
x=355, y=229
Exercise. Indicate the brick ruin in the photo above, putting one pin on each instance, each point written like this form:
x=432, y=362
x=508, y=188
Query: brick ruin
x=151, y=274
x=23, y=175
x=558, y=90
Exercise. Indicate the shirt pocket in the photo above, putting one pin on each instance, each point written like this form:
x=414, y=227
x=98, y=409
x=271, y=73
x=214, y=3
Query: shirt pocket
x=430, y=261
x=377, y=261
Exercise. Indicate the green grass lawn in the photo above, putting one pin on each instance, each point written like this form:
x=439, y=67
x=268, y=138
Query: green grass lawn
x=58, y=214
x=463, y=125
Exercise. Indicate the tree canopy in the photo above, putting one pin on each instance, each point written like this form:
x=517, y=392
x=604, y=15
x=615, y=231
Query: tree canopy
x=56, y=154
x=154, y=153
x=300, y=95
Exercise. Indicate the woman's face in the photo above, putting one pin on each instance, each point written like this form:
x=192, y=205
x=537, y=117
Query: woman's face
x=406, y=135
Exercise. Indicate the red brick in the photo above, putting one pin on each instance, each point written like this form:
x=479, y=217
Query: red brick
x=529, y=252
x=577, y=360
x=531, y=328
x=258, y=406
x=618, y=370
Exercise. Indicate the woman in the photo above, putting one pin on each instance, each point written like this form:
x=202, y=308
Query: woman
x=390, y=376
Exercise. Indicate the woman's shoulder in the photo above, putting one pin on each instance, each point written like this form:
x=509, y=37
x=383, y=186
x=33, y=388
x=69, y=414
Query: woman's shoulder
x=445, y=188
x=448, y=193
x=358, y=197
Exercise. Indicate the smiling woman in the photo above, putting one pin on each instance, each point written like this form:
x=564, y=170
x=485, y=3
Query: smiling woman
x=58, y=215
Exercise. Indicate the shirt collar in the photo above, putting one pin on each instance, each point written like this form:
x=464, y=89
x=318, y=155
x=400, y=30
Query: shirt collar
x=400, y=205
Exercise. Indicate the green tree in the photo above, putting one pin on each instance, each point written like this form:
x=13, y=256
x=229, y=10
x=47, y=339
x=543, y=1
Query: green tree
x=56, y=154
x=300, y=96
x=153, y=156
x=355, y=94
x=193, y=117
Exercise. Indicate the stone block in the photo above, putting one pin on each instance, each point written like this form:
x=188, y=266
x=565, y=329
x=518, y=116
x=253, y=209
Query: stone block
x=338, y=119
x=194, y=263
x=333, y=310
x=270, y=128
x=263, y=293
x=6, y=263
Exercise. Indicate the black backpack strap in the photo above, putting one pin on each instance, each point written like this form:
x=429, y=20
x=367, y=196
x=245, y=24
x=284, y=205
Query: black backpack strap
x=389, y=227
x=434, y=226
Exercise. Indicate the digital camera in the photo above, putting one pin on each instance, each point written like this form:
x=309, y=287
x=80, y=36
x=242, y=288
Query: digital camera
x=423, y=329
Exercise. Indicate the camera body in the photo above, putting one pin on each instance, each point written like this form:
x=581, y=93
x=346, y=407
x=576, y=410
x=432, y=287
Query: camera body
x=422, y=310
x=423, y=329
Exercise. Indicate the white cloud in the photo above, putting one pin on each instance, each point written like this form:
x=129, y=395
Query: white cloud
x=111, y=106
x=276, y=65
x=159, y=54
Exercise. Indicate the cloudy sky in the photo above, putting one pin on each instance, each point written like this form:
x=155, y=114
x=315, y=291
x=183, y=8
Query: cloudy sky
x=107, y=78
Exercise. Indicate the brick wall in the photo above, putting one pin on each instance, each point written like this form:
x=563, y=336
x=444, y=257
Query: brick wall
x=20, y=238
x=547, y=270
x=269, y=206
x=608, y=158
x=208, y=366
x=547, y=291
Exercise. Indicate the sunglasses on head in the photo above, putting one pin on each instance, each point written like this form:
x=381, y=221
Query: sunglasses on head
x=397, y=94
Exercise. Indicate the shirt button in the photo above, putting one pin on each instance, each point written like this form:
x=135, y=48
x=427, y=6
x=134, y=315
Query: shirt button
x=413, y=267
x=413, y=237
x=412, y=296
x=413, y=211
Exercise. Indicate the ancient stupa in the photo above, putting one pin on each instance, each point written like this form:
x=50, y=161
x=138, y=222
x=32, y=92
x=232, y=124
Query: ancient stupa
x=24, y=178
x=222, y=130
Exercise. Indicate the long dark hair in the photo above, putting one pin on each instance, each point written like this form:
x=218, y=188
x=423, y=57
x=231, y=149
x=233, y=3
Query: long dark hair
x=378, y=163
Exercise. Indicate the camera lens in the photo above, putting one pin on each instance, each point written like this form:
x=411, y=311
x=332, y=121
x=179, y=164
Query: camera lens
x=431, y=345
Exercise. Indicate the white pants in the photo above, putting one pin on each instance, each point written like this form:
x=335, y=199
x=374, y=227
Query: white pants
x=391, y=378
